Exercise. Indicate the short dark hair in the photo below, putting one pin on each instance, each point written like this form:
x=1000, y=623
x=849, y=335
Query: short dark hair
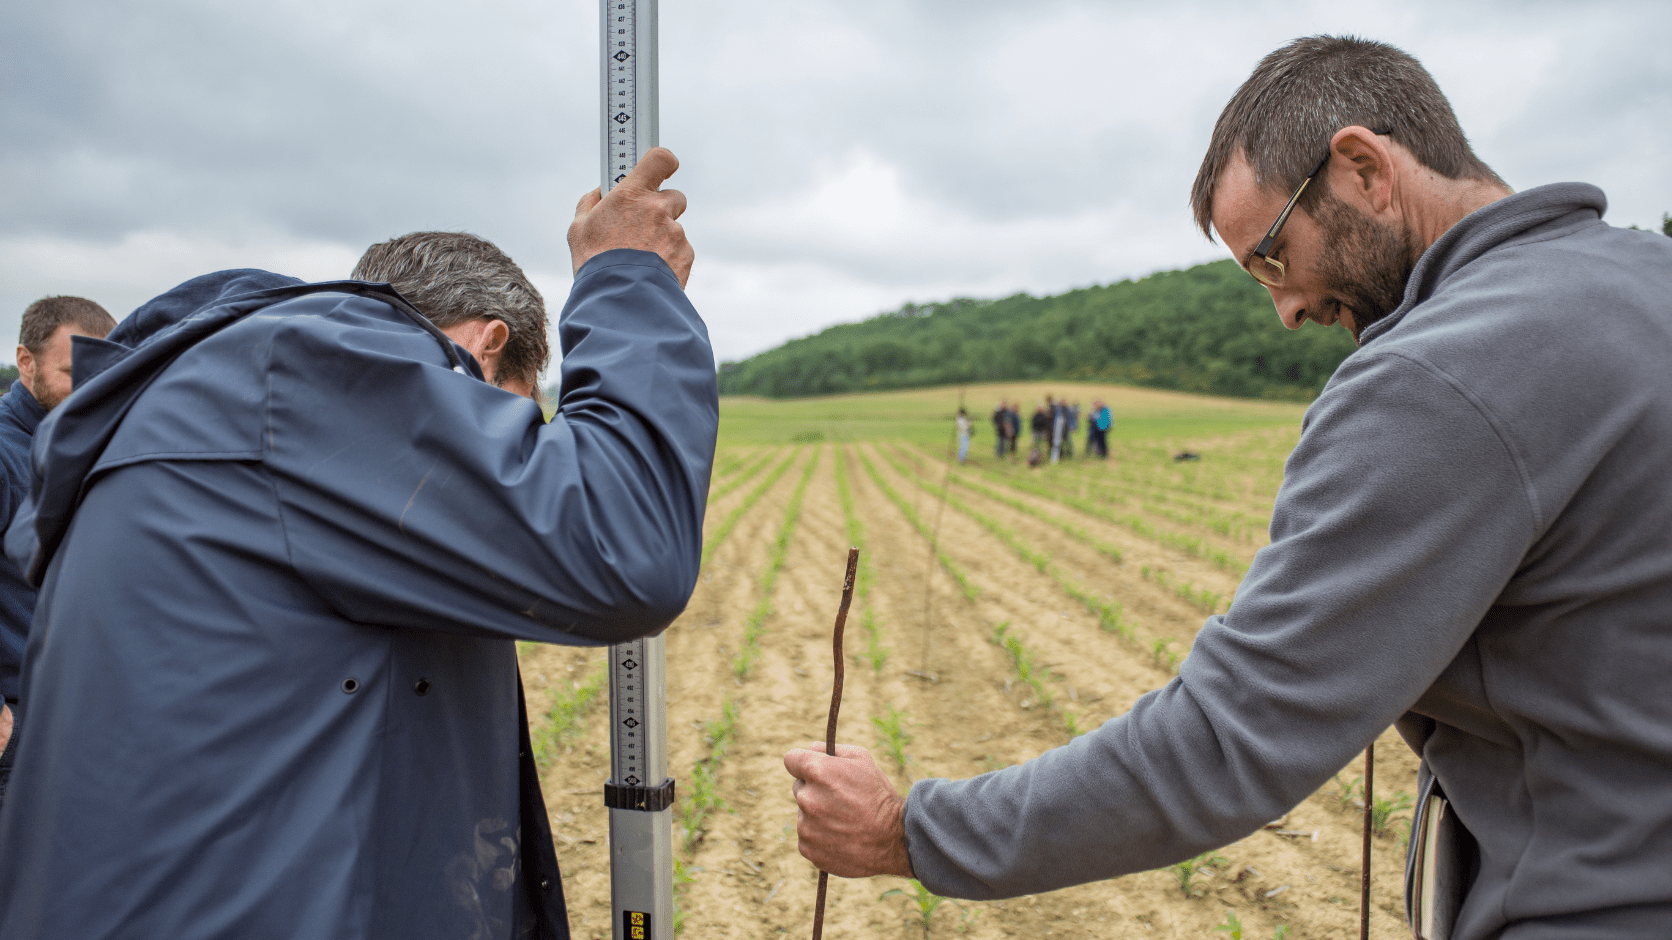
x=1283, y=116
x=454, y=277
x=42, y=318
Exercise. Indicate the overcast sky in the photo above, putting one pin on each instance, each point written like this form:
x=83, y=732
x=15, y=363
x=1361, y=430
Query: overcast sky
x=841, y=157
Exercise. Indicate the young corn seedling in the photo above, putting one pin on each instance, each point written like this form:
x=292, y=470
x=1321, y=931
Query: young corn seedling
x=927, y=902
x=1022, y=660
x=1159, y=651
x=875, y=652
x=702, y=795
x=895, y=737
x=1347, y=792
x=682, y=875
x=1071, y=724
x=567, y=711
x=1187, y=870
x=1232, y=925
x=1382, y=810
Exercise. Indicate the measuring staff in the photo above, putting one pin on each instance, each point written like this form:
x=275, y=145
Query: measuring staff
x=640, y=792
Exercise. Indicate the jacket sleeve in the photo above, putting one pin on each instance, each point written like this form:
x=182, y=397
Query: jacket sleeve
x=417, y=496
x=1401, y=518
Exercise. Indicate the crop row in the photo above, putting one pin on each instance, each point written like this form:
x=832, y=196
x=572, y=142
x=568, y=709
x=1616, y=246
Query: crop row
x=875, y=653
x=1108, y=613
x=968, y=588
x=1189, y=545
x=702, y=796
x=730, y=522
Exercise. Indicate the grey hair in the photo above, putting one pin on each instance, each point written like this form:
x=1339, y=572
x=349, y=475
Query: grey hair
x=455, y=277
x=42, y=318
x=1284, y=115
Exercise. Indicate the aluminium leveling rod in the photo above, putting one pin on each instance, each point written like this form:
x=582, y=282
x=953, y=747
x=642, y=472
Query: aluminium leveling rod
x=639, y=792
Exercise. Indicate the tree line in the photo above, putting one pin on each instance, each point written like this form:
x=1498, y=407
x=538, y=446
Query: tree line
x=1209, y=329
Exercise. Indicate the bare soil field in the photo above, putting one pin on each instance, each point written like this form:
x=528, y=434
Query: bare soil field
x=993, y=624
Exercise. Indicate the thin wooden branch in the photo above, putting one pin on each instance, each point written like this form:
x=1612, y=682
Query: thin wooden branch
x=1364, y=876
x=835, y=708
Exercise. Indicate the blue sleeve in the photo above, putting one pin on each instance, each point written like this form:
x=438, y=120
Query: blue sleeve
x=416, y=496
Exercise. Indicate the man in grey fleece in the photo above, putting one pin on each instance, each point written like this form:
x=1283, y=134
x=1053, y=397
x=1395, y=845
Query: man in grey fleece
x=1473, y=539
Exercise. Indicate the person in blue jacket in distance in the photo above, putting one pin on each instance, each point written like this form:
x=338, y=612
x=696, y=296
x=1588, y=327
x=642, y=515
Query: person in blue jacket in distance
x=286, y=536
x=43, y=366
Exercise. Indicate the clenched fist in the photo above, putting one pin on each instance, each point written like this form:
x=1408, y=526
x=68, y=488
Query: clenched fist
x=636, y=214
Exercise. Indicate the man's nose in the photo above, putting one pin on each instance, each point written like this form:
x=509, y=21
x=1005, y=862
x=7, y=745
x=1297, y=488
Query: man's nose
x=1291, y=309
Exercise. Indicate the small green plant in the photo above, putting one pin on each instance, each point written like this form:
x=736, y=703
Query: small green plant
x=875, y=652
x=1159, y=651
x=702, y=794
x=1187, y=870
x=682, y=876
x=1382, y=810
x=1232, y=925
x=1021, y=658
x=1071, y=723
x=1347, y=792
x=895, y=737
x=567, y=711
x=927, y=902
x=1281, y=933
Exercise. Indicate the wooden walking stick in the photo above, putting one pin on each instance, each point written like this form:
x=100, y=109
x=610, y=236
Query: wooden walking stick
x=1364, y=881
x=835, y=707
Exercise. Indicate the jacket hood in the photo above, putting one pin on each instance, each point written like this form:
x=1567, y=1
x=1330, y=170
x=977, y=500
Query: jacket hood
x=110, y=374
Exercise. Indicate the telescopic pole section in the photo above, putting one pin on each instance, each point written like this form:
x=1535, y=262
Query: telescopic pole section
x=639, y=793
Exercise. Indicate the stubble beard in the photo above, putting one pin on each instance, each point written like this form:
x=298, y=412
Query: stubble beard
x=43, y=394
x=1368, y=264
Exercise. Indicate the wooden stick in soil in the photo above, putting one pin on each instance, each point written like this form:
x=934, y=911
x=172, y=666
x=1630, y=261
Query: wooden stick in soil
x=1364, y=877
x=835, y=707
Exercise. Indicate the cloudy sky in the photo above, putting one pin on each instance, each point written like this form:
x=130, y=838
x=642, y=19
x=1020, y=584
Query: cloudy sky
x=841, y=157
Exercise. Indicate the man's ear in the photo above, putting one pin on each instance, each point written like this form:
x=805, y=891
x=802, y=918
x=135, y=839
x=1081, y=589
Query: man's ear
x=494, y=337
x=25, y=365
x=1361, y=168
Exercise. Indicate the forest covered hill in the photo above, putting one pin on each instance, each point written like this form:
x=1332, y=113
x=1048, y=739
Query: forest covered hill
x=1209, y=329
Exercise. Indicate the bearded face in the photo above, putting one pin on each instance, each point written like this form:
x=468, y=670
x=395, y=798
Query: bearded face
x=1368, y=263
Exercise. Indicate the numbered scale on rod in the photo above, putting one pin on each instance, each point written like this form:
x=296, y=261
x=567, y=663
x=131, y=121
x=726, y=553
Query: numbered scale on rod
x=628, y=65
x=640, y=792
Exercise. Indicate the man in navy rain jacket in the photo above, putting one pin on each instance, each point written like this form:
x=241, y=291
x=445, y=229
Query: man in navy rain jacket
x=43, y=366
x=285, y=535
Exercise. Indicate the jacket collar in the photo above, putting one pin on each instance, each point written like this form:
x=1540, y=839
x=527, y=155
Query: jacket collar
x=1486, y=228
x=20, y=405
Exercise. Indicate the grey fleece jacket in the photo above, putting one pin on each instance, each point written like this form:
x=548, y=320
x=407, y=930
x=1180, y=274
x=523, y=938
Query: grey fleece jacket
x=1474, y=539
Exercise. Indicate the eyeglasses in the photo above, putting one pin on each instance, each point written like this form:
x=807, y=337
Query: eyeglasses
x=1266, y=269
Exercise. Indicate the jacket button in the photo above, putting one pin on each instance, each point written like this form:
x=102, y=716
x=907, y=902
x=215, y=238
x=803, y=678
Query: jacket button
x=351, y=685
x=545, y=883
x=422, y=687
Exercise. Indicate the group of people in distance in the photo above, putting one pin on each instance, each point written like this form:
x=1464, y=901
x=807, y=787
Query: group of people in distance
x=1054, y=424
x=271, y=544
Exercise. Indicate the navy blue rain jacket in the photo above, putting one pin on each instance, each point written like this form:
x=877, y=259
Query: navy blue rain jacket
x=283, y=550
x=20, y=415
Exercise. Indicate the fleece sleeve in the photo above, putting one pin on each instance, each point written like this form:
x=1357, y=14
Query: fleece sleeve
x=1402, y=516
x=434, y=500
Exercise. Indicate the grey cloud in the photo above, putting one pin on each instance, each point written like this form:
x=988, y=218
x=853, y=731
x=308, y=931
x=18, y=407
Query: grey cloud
x=344, y=123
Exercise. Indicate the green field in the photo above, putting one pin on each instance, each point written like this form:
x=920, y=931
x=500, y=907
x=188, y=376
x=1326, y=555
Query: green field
x=924, y=416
